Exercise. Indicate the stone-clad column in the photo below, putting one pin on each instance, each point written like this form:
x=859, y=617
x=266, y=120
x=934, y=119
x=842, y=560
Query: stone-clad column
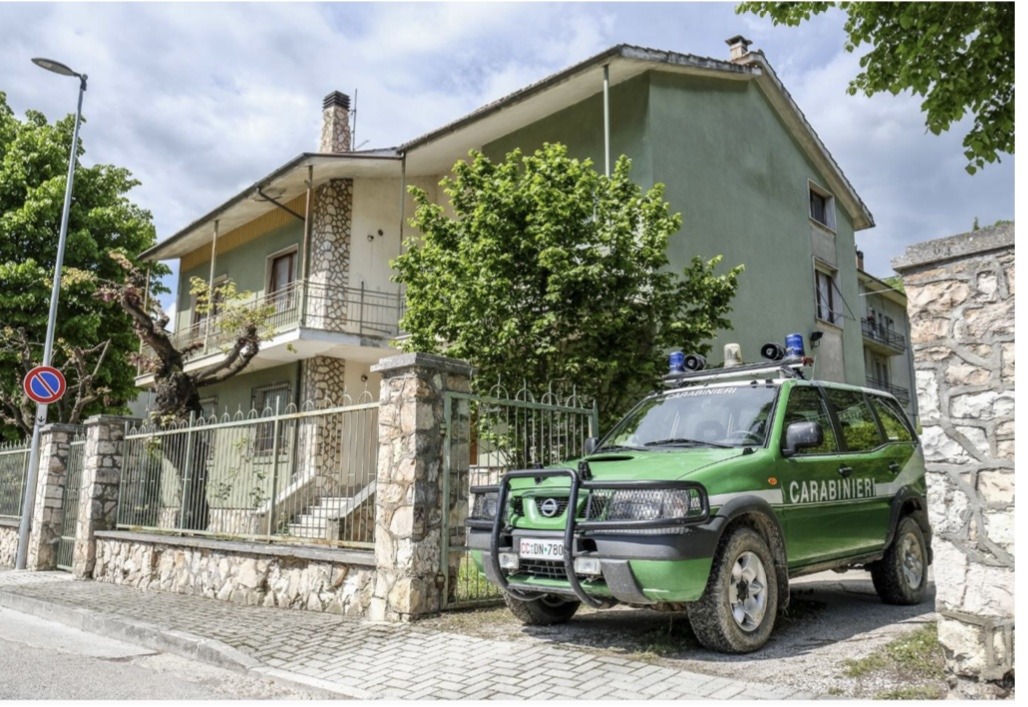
x=101, y=474
x=960, y=294
x=409, y=516
x=48, y=515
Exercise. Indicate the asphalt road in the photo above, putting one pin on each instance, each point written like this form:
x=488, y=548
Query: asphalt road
x=40, y=659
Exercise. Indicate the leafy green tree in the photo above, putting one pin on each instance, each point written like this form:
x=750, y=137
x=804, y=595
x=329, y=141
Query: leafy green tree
x=958, y=55
x=546, y=271
x=94, y=339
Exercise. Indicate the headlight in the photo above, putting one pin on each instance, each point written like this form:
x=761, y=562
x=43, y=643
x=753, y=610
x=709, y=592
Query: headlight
x=645, y=504
x=485, y=505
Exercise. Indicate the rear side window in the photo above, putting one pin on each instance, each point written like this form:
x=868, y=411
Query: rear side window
x=805, y=405
x=896, y=428
x=859, y=430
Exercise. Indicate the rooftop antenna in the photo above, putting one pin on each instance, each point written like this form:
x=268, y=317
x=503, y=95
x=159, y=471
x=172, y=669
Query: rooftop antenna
x=353, y=125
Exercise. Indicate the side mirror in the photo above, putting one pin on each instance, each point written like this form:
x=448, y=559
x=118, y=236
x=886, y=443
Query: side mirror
x=802, y=435
x=590, y=445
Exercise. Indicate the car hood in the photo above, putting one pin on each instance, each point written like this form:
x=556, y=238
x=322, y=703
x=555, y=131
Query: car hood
x=648, y=465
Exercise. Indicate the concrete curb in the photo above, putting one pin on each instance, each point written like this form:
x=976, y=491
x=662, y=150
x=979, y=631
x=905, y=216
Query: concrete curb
x=181, y=643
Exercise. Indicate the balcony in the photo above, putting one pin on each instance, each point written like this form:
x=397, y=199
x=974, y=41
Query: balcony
x=882, y=340
x=901, y=394
x=308, y=319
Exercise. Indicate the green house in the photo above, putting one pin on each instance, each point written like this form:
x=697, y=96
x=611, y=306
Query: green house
x=741, y=163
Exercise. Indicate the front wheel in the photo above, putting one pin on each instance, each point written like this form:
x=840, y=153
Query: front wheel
x=547, y=610
x=737, y=610
x=901, y=576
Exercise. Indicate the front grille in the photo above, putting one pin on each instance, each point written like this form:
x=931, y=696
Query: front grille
x=517, y=506
x=546, y=569
x=562, y=504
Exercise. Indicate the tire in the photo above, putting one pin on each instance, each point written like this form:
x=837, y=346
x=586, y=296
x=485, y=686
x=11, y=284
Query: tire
x=725, y=621
x=901, y=576
x=547, y=610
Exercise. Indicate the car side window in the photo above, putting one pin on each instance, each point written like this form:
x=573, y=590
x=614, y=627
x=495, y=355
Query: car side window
x=896, y=429
x=805, y=405
x=859, y=430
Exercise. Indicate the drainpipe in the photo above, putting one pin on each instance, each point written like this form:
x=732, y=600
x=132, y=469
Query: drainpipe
x=606, y=119
x=305, y=256
x=403, y=201
x=210, y=288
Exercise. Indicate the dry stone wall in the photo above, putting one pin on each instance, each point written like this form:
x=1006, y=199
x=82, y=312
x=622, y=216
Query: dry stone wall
x=960, y=294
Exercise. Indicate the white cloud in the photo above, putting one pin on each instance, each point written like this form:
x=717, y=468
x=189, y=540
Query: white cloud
x=200, y=100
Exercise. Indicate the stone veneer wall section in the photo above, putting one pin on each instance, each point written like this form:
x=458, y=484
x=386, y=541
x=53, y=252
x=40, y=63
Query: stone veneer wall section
x=8, y=541
x=409, y=523
x=329, y=272
x=48, y=514
x=245, y=573
x=960, y=294
x=101, y=476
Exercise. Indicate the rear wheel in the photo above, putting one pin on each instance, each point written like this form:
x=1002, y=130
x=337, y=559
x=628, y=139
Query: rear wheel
x=901, y=576
x=547, y=610
x=736, y=613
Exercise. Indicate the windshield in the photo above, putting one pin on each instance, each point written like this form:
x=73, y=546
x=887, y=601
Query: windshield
x=725, y=416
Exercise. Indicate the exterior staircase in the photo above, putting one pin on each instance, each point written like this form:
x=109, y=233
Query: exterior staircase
x=321, y=520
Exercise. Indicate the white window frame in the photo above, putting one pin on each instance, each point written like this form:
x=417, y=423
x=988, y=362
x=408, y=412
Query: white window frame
x=270, y=261
x=829, y=223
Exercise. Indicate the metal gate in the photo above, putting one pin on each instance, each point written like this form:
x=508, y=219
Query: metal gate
x=70, y=503
x=487, y=436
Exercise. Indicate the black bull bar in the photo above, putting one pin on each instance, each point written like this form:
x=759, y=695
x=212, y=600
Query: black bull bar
x=572, y=527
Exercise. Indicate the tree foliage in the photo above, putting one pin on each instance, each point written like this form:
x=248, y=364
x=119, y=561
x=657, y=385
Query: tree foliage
x=94, y=339
x=958, y=55
x=546, y=271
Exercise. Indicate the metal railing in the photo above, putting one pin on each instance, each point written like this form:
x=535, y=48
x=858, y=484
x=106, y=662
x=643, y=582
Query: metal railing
x=14, y=463
x=486, y=437
x=901, y=394
x=882, y=335
x=299, y=475
x=349, y=310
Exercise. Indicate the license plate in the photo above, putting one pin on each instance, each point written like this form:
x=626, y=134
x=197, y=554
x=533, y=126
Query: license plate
x=535, y=549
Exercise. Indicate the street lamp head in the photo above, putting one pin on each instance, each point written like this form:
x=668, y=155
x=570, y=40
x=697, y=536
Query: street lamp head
x=54, y=66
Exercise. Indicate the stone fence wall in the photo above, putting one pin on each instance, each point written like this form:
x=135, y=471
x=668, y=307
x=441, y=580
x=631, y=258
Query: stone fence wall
x=398, y=581
x=960, y=294
x=8, y=541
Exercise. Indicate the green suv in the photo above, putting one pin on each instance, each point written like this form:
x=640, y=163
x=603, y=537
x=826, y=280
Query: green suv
x=708, y=497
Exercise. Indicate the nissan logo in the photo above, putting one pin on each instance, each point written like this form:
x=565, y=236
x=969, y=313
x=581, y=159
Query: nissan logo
x=549, y=507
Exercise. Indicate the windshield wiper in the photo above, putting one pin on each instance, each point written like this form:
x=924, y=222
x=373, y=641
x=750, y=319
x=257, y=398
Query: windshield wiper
x=617, y=448
x=685, y=441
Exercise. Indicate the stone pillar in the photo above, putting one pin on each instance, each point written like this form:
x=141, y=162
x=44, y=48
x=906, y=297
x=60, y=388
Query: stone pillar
x=960, y=294
x=48, y=513
x=101, y=474
x=409, y=523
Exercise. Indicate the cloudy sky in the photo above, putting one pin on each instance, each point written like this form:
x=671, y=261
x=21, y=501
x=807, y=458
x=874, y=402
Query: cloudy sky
x=200, y=100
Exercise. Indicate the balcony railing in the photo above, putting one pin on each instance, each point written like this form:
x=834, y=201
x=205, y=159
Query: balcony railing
x=882, y=336
x=901, y=394
x=308, y=305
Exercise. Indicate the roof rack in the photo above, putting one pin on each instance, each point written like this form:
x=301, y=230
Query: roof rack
x=789, y=367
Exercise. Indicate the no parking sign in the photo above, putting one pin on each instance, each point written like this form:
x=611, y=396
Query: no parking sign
x=44, y=384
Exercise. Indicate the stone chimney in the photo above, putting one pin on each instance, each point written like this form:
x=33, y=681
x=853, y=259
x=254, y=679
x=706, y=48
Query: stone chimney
x=860, y=259
x=738, y=47
x=335, y=126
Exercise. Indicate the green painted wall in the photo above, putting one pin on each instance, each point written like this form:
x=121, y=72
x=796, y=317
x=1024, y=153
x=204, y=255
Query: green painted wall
x=740, y=181
x=235, y=394
x=246, y=265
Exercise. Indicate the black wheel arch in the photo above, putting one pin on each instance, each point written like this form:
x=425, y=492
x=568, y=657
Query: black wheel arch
x=908, y=502
x=756, y=513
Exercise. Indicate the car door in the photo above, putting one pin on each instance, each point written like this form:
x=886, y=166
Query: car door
x=815, y=530
x=868, y=460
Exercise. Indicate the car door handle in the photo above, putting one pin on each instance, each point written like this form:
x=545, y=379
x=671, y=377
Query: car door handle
x=894, y=467
x=845, y=470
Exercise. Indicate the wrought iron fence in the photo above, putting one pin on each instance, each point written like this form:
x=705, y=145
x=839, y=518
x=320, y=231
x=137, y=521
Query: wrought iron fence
x=70, y=501
x=296, y=475
x=487, y=436
x=14, y=464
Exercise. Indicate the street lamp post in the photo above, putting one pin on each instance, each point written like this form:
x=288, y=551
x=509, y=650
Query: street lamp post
x=29, y=495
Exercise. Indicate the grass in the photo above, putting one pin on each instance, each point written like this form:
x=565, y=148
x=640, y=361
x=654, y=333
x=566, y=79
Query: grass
x=664, y=641
x=916, y=658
